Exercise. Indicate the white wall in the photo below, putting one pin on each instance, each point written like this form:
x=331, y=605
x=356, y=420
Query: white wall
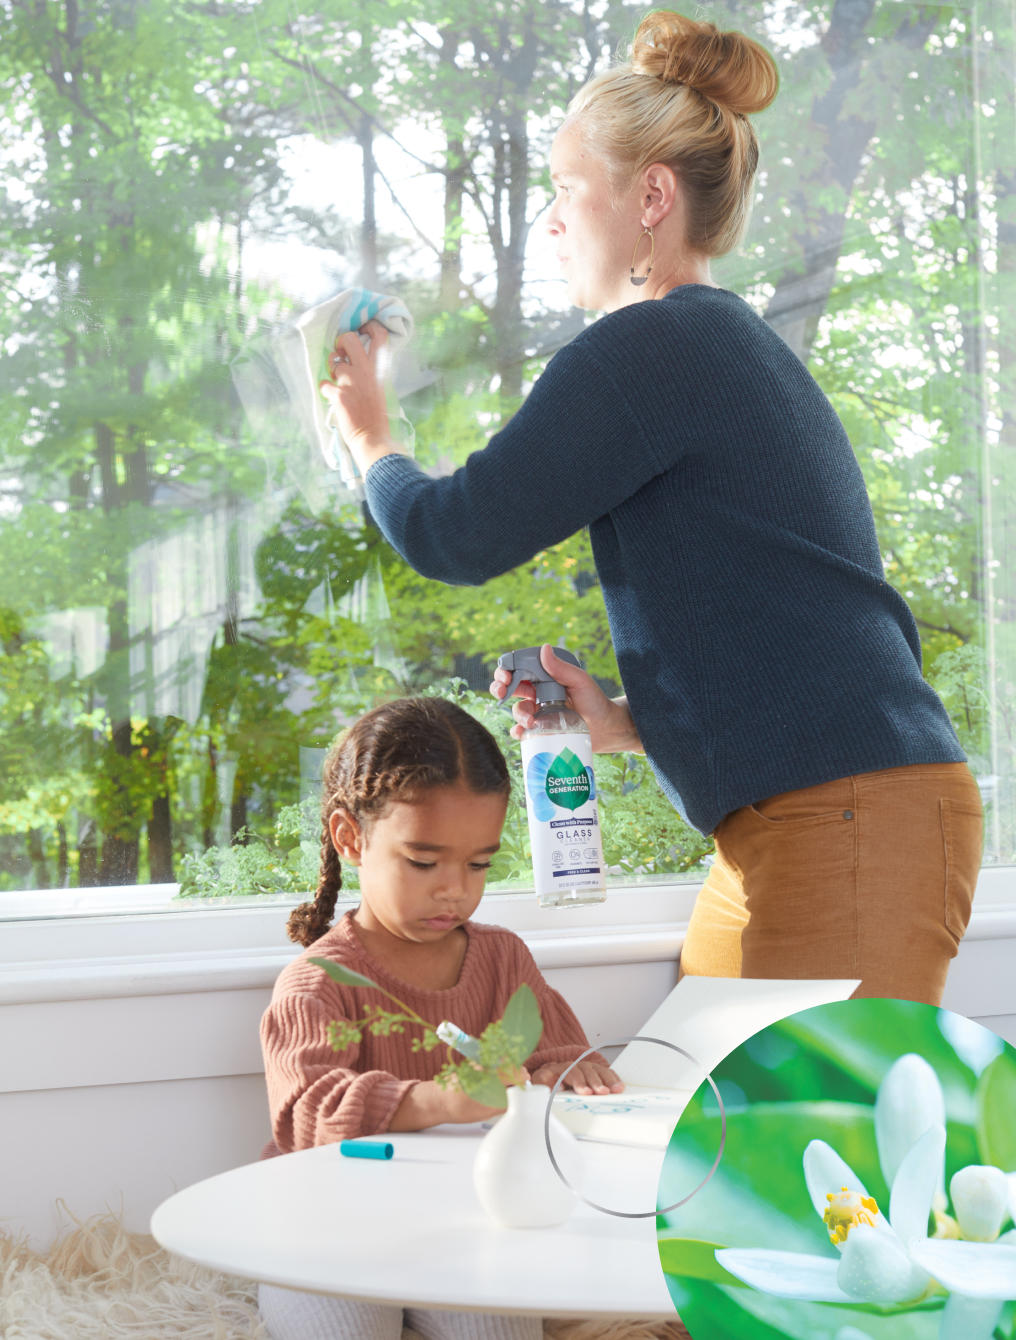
x=122, y=1102
x=125, y=1076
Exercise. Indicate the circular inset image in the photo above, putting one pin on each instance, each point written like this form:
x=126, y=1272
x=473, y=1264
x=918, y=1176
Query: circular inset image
x=867, y=1186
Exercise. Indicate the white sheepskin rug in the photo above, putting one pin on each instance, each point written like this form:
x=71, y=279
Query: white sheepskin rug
x=102, y=1283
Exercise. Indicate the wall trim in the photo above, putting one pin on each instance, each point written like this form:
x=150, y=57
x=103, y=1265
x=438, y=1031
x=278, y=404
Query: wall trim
x=216, y=949
x=180, y=974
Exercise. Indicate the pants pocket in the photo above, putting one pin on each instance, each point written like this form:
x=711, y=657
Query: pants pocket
x=962, y=840
x=827, y=802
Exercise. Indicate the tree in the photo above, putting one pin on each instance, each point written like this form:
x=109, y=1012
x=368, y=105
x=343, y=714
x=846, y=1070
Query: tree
x=186, y=615
x=120, y=120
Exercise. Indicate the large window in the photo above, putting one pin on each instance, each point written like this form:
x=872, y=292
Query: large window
x=190, y=606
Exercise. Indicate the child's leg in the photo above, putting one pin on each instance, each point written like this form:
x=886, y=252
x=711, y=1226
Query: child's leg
x=291, y=1315
x=434, y=1325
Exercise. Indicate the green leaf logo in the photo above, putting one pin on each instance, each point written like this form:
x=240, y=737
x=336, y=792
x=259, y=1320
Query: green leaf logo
x=567, y=781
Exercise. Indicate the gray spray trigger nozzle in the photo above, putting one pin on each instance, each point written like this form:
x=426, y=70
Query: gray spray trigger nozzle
x=525, y=664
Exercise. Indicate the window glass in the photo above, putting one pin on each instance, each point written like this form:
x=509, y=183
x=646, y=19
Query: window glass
x=191, y=604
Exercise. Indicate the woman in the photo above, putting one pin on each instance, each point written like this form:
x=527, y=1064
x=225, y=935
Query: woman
x=772, y=676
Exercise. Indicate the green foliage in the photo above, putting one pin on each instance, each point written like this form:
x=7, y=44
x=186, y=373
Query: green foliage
x=345, y=977
x=995, y=1101
x=287, y=863
x=959, y=676
x=690, y=1258
x=500, y=1050
x=187, y=614
x=520, y=1027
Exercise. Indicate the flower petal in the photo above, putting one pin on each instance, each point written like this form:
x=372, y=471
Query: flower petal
x=909, y=1100
x=915, y=1184
x=966, y=1318
x=785, y=1274
x=980, y=1197
x=1011, y=1179
x=978, y=1269
x=874, y=1268
x=825, y=1171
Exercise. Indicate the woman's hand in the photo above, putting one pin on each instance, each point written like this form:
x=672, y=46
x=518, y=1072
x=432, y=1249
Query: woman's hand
x=588, y=1076
x=357, y=394
x=611, y=728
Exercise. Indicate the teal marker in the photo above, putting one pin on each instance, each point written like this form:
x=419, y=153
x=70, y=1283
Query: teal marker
x=366, y=1149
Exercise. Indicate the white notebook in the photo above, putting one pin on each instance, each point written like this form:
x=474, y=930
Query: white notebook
x=708, y=1017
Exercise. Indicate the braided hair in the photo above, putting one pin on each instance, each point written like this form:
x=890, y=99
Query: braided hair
x=394, y=752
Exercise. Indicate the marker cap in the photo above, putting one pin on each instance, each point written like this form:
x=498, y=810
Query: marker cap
x=366, y=1149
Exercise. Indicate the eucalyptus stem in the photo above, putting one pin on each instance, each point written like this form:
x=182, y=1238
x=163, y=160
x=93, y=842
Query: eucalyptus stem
x=403, y=1006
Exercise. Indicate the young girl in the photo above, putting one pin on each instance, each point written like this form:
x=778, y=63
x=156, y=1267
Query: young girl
x=414, y=794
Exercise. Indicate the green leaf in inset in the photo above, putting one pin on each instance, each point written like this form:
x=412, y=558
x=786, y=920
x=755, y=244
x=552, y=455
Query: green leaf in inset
x=344, y=976
x=995, y=1120
x=862, y=1038
x=693, y=1258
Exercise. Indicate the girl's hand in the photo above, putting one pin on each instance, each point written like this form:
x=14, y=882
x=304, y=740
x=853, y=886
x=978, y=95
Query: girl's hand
x=429, y=1104
x=611, y=728
x=463, y=1108
x=589, y=1076
x=358, y=395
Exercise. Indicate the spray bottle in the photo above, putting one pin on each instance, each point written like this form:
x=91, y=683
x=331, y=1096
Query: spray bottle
x=557, y=764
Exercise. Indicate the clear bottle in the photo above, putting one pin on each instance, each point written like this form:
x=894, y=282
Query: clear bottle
x=560, y=786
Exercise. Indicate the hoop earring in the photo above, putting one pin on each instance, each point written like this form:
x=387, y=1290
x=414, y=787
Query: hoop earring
x=633, y=278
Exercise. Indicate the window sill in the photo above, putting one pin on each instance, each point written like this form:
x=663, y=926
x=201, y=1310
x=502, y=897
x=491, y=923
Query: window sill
x=132, y=952
x=143, y=949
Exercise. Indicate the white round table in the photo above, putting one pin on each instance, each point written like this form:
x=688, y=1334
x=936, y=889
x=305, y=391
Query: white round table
x=410, y=1231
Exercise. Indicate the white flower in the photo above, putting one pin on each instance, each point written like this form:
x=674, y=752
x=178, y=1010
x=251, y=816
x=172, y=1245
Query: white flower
x=979, y=1272
x=909, y=1101
x=980, y=1200
x=896, y=1262
x=981, y=1277
x=874, y=1264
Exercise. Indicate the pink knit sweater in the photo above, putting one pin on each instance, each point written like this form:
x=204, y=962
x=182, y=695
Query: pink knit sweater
x=317, y=1096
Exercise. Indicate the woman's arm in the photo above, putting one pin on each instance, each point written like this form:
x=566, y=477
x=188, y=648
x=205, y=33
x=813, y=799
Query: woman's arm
x=591, y=434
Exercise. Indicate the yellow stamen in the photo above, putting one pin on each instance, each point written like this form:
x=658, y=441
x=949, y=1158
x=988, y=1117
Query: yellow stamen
x=845, y=1211
x=945, y=1225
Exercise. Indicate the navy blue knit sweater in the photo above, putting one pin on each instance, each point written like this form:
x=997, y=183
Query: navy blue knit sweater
x=759, y=645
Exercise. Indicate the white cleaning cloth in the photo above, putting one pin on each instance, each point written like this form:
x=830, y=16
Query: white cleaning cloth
x=317, y=329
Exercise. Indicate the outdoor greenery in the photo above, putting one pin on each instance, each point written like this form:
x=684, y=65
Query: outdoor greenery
x=189, y=606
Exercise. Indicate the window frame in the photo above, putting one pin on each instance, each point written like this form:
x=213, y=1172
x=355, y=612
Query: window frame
x=136, y=905
x=84, y=955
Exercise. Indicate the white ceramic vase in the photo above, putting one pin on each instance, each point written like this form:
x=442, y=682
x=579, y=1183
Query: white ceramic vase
x=512, y=1172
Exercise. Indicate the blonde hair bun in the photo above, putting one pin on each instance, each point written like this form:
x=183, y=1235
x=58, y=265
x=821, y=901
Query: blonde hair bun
x=727, y=68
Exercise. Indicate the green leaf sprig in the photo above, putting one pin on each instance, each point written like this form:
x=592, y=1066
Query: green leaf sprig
x=503, y=1045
